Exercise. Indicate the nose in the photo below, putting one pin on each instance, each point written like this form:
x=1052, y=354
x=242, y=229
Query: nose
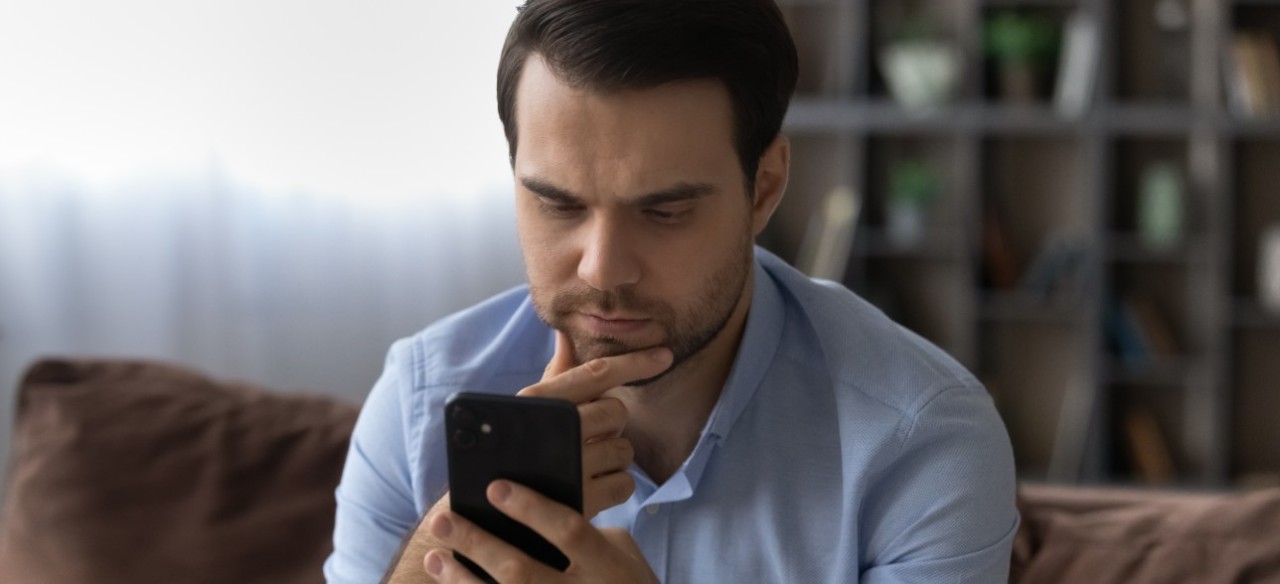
x=608, y=259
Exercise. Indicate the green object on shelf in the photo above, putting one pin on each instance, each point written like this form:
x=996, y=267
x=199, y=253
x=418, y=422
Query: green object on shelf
x=913, y=185
x=913, y=182
x=1161, y=206
x=1013, y=38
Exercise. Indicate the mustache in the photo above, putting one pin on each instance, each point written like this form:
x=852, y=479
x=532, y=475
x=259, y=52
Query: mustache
x=623, y=299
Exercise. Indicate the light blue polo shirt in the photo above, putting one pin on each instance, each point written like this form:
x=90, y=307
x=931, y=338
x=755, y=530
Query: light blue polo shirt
x=843, y=448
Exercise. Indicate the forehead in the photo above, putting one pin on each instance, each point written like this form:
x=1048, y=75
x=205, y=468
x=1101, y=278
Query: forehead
x=680, y=131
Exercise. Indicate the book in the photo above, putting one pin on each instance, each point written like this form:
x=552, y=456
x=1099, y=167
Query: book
x=1128, y=341
x=1268, y=56
x=1247, y=85
x=1055, y=267
x=1148, y=448
x=1156, y=331
x=1078, y=68
x=1000, y=262
x=1254, y=68
x=1070, y=441
x=1233, y=78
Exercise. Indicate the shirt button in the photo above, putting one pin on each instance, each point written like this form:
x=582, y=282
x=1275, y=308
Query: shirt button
x=653, y=509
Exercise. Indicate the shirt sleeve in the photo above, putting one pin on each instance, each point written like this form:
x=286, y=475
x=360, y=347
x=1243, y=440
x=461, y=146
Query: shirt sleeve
x=945, y=510
x=375, y=499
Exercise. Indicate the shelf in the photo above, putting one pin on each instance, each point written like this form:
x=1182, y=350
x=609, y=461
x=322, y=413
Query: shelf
x=821, y=115
x=1047, y=174
x=1157, y=119
x=876, y=244
x=1031, y=3
x=1245, y=127
x=811, y=115
x=1130, y=249
x=1154, y=371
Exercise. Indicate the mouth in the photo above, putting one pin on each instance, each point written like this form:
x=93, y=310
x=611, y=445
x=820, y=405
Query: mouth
x=613, y=324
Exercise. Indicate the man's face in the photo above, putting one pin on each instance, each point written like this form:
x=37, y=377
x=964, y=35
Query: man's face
x=632, y=213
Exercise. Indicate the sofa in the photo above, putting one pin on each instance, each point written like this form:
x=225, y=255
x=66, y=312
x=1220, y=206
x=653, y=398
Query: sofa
x=139, y=472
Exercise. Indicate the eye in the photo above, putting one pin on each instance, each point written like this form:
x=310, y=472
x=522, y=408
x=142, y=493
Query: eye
x=668, y=215
x=559, y=210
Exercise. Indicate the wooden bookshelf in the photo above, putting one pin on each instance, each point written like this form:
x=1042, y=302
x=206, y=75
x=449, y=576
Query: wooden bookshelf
x=1067, y=187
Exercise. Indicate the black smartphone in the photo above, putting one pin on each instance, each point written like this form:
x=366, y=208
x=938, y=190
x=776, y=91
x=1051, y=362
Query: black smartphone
x=531, y=441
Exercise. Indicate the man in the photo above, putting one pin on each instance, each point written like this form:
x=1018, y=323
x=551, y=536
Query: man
x=741, y=422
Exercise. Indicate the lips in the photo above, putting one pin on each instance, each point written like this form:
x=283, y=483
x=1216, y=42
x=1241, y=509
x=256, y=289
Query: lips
x=613, y=324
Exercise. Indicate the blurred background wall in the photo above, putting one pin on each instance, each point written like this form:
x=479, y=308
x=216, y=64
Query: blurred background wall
x=265, y=190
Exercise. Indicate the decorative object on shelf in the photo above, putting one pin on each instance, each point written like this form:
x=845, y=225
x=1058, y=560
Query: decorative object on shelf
x=1252, y=70
x=919, y=66
x=913, y=186
x=824, y=252
x=1078, y=68
x=1161, y=205
x=1139, y=333
x=1173, y=19
x=1269, y=269
x=1058, y=268
x=1022, y=45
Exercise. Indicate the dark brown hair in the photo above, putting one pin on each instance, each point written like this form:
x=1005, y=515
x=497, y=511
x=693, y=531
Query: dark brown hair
x=611, y=45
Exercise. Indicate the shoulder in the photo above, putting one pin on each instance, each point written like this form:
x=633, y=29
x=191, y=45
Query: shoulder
x=862, y=350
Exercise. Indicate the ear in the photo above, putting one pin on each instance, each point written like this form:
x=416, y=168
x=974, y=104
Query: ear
x=771, y=182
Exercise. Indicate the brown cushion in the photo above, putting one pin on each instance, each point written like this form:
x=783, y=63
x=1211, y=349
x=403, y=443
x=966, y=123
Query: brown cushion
x=137, y=472
x=1104, y=536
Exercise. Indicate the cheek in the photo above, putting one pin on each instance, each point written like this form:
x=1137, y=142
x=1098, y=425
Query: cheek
x=545, y=254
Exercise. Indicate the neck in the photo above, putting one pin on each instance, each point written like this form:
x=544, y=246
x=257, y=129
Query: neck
x=665, y=418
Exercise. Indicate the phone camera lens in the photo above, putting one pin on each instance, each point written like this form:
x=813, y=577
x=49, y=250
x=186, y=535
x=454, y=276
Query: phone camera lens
x=463, y=415
x=465, y=438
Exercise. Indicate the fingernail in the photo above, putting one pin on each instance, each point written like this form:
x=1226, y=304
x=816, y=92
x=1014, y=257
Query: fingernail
x=660, y=354
x=501, y=490
x=442, y=527
x=434, y=565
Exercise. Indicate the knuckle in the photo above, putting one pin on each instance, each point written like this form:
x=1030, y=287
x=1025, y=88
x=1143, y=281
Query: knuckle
x=574, y=529
x=514, y=571
x=624, y=451
x=613, y=408
x=597, y=367
x=624, y=489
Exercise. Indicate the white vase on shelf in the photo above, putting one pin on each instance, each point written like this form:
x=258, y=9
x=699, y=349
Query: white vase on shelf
x=905, y=224
x=921, y=74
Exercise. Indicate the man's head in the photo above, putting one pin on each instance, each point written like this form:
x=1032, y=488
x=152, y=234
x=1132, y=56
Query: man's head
x=644, y=140
x=614, y=45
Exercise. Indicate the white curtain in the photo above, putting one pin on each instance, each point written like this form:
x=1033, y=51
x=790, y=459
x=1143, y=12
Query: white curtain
x=267, y=190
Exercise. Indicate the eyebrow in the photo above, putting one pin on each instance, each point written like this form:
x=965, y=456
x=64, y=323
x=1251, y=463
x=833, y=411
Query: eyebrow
x=676, y=193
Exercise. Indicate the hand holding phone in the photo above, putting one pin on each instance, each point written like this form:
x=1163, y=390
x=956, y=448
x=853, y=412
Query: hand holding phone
x=602, y=455
x=531, y=441
x=606, y=455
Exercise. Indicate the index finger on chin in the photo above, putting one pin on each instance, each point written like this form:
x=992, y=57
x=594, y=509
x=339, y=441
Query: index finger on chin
x=563, y=359
x=590, y=380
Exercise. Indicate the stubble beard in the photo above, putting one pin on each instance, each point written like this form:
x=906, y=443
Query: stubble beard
x=686, y=333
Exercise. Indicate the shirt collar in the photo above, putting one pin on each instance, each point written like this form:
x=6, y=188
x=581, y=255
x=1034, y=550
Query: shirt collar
x=759, y=344
x=760, y=340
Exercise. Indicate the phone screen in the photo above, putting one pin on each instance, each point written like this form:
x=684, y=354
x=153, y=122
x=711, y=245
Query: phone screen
x=531, y=441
